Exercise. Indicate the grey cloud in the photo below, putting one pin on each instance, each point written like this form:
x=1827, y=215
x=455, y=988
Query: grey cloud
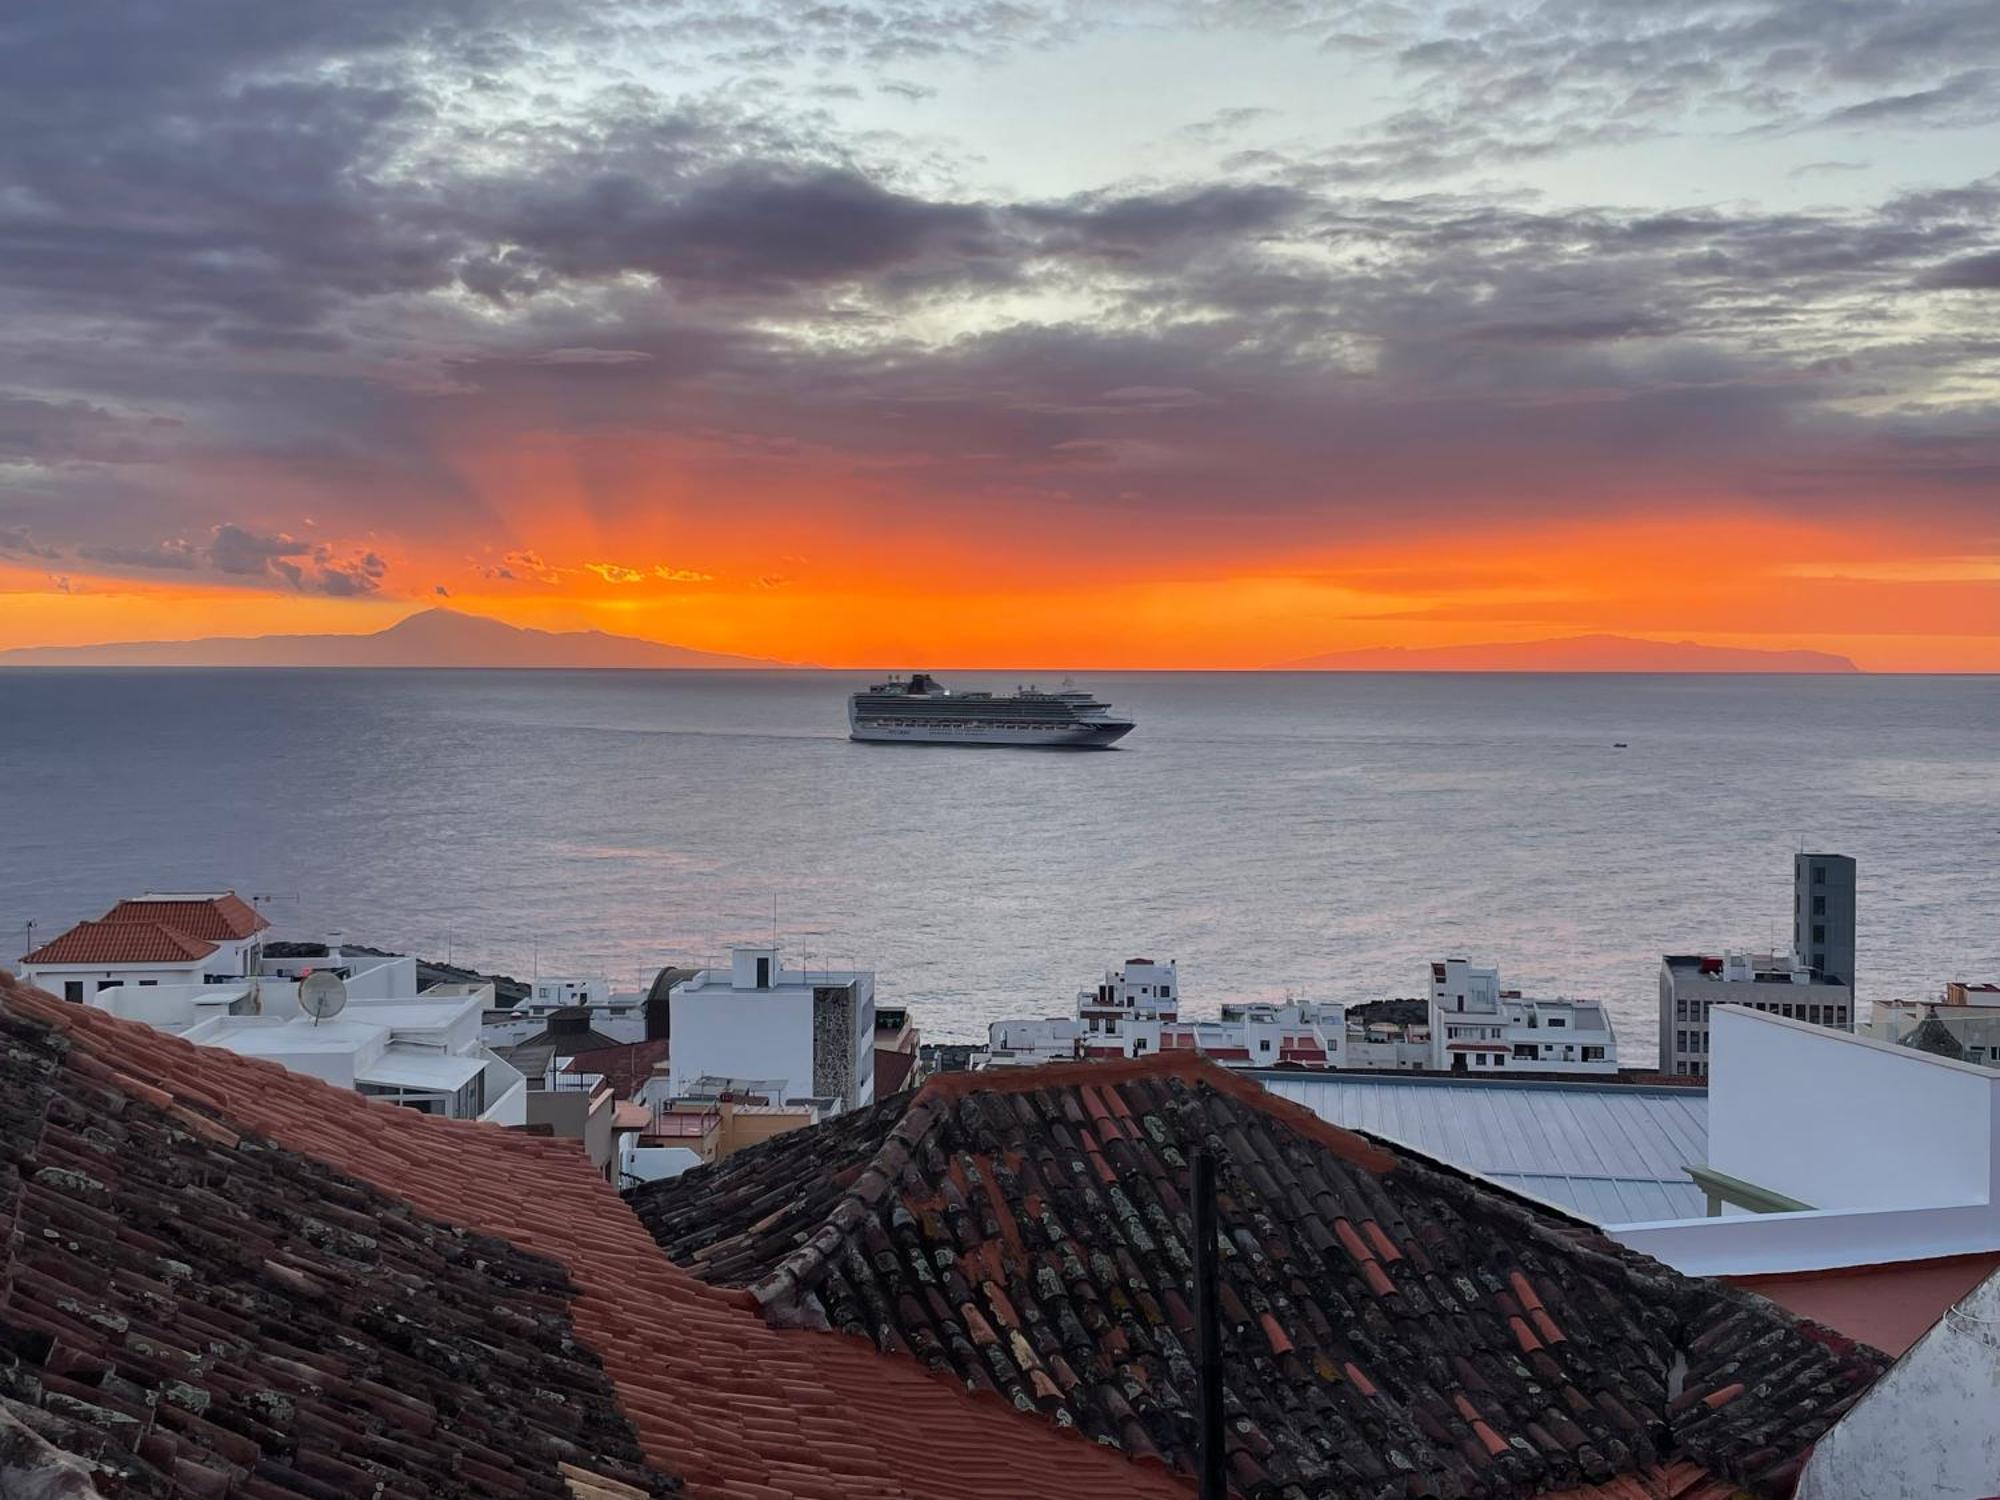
x=16, y=541
x=1968, y=273
x=234, y=550
x=351, y=577
x=176, y=555
x=266, y=221
x=752, y=228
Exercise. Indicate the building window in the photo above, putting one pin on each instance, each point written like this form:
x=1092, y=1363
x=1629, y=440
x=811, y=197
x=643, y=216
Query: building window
x=1557, y=1021
x=1593, y=1054
x=1812, y=1014
x=1819, y=935
x=106, y=984
x=73, y=991
x=1819, y=906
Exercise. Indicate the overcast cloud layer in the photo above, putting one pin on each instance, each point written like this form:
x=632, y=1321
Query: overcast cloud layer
x=274, y=277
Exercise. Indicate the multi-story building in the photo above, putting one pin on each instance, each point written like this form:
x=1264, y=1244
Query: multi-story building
x=1477, y=1027
x=809, y=1033
x=1812, y=983
x=1134, y=1011
x=1693, y=984
x=160, y=938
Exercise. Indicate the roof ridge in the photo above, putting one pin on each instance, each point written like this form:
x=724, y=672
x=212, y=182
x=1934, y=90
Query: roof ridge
x=1349, y=1145
x=779, y=1294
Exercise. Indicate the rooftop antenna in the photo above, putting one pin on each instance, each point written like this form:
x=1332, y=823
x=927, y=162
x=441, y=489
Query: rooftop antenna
x=322, y=995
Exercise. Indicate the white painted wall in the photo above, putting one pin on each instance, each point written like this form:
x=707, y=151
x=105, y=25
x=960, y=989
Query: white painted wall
x=1930, y=1428
x=723, y=1032
x=52, y=977
x=1898, y=1151
x=1840, y=1121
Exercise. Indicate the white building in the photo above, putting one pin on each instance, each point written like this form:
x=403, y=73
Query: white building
x=1477, y=1027
x=1134, y=1011
x=812, y=1031
x=388, y=1042
x=1853, y=1180
x=160, y=938
x=619, y=1017
x=1026, y=1043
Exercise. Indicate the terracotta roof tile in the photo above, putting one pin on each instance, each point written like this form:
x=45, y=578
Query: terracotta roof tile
x=718, y=1398
x=1390, y=1325
x=219, y=919
x=195, y=1312
x=121, y=941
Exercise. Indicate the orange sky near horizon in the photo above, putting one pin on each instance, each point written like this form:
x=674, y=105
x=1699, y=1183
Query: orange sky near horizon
x=1893, y=599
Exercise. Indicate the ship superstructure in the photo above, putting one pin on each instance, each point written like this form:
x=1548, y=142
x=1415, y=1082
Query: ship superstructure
x=921, y=710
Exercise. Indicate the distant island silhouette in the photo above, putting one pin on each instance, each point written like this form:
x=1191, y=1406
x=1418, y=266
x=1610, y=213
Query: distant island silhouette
x=430, y=638
x=1576, y=653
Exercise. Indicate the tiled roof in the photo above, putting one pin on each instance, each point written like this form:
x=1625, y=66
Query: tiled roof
x=121, y=941
x=1390, y=1326
x=220, y=919
x=734, y=1408
x=625, y=1068
x=196, y=1312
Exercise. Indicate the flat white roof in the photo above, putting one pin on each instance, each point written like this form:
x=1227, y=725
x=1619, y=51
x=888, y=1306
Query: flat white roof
x=265, y=1035
x=411, y=1015
x=1611, y=1153
x=406, y=1068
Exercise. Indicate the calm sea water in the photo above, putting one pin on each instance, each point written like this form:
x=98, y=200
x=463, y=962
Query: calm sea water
x=1275, y=833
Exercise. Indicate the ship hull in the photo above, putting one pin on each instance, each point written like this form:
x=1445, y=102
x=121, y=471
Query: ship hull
x=1056, y=736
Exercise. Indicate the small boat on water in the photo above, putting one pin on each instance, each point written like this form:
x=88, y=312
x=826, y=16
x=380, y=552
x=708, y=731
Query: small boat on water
x=921, y=710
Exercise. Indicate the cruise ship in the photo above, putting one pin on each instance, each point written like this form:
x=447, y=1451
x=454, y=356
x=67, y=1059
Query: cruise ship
x=919, y=710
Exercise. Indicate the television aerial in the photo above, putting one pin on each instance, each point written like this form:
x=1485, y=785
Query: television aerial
x=322, y=995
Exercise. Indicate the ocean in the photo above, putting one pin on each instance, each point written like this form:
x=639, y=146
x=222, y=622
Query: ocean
x=1278, y=834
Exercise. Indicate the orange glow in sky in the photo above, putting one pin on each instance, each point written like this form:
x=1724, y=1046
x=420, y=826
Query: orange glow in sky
x=830, y=595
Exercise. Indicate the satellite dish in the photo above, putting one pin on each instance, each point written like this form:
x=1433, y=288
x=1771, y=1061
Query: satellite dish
x=322, y=995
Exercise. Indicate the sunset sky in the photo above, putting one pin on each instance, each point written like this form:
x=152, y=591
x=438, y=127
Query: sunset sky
x=987, y=332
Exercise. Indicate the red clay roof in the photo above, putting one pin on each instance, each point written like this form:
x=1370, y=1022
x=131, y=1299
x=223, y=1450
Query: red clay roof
x=117, y=940
x=220, y=919
x=736, y=1408
x=1890, y=1306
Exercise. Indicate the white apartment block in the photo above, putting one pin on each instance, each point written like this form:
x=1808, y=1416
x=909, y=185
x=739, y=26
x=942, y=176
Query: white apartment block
x=1477, y=1027
x=806, y=1033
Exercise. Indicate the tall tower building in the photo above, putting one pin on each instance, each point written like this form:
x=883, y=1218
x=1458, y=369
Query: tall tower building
x=1823, y=914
